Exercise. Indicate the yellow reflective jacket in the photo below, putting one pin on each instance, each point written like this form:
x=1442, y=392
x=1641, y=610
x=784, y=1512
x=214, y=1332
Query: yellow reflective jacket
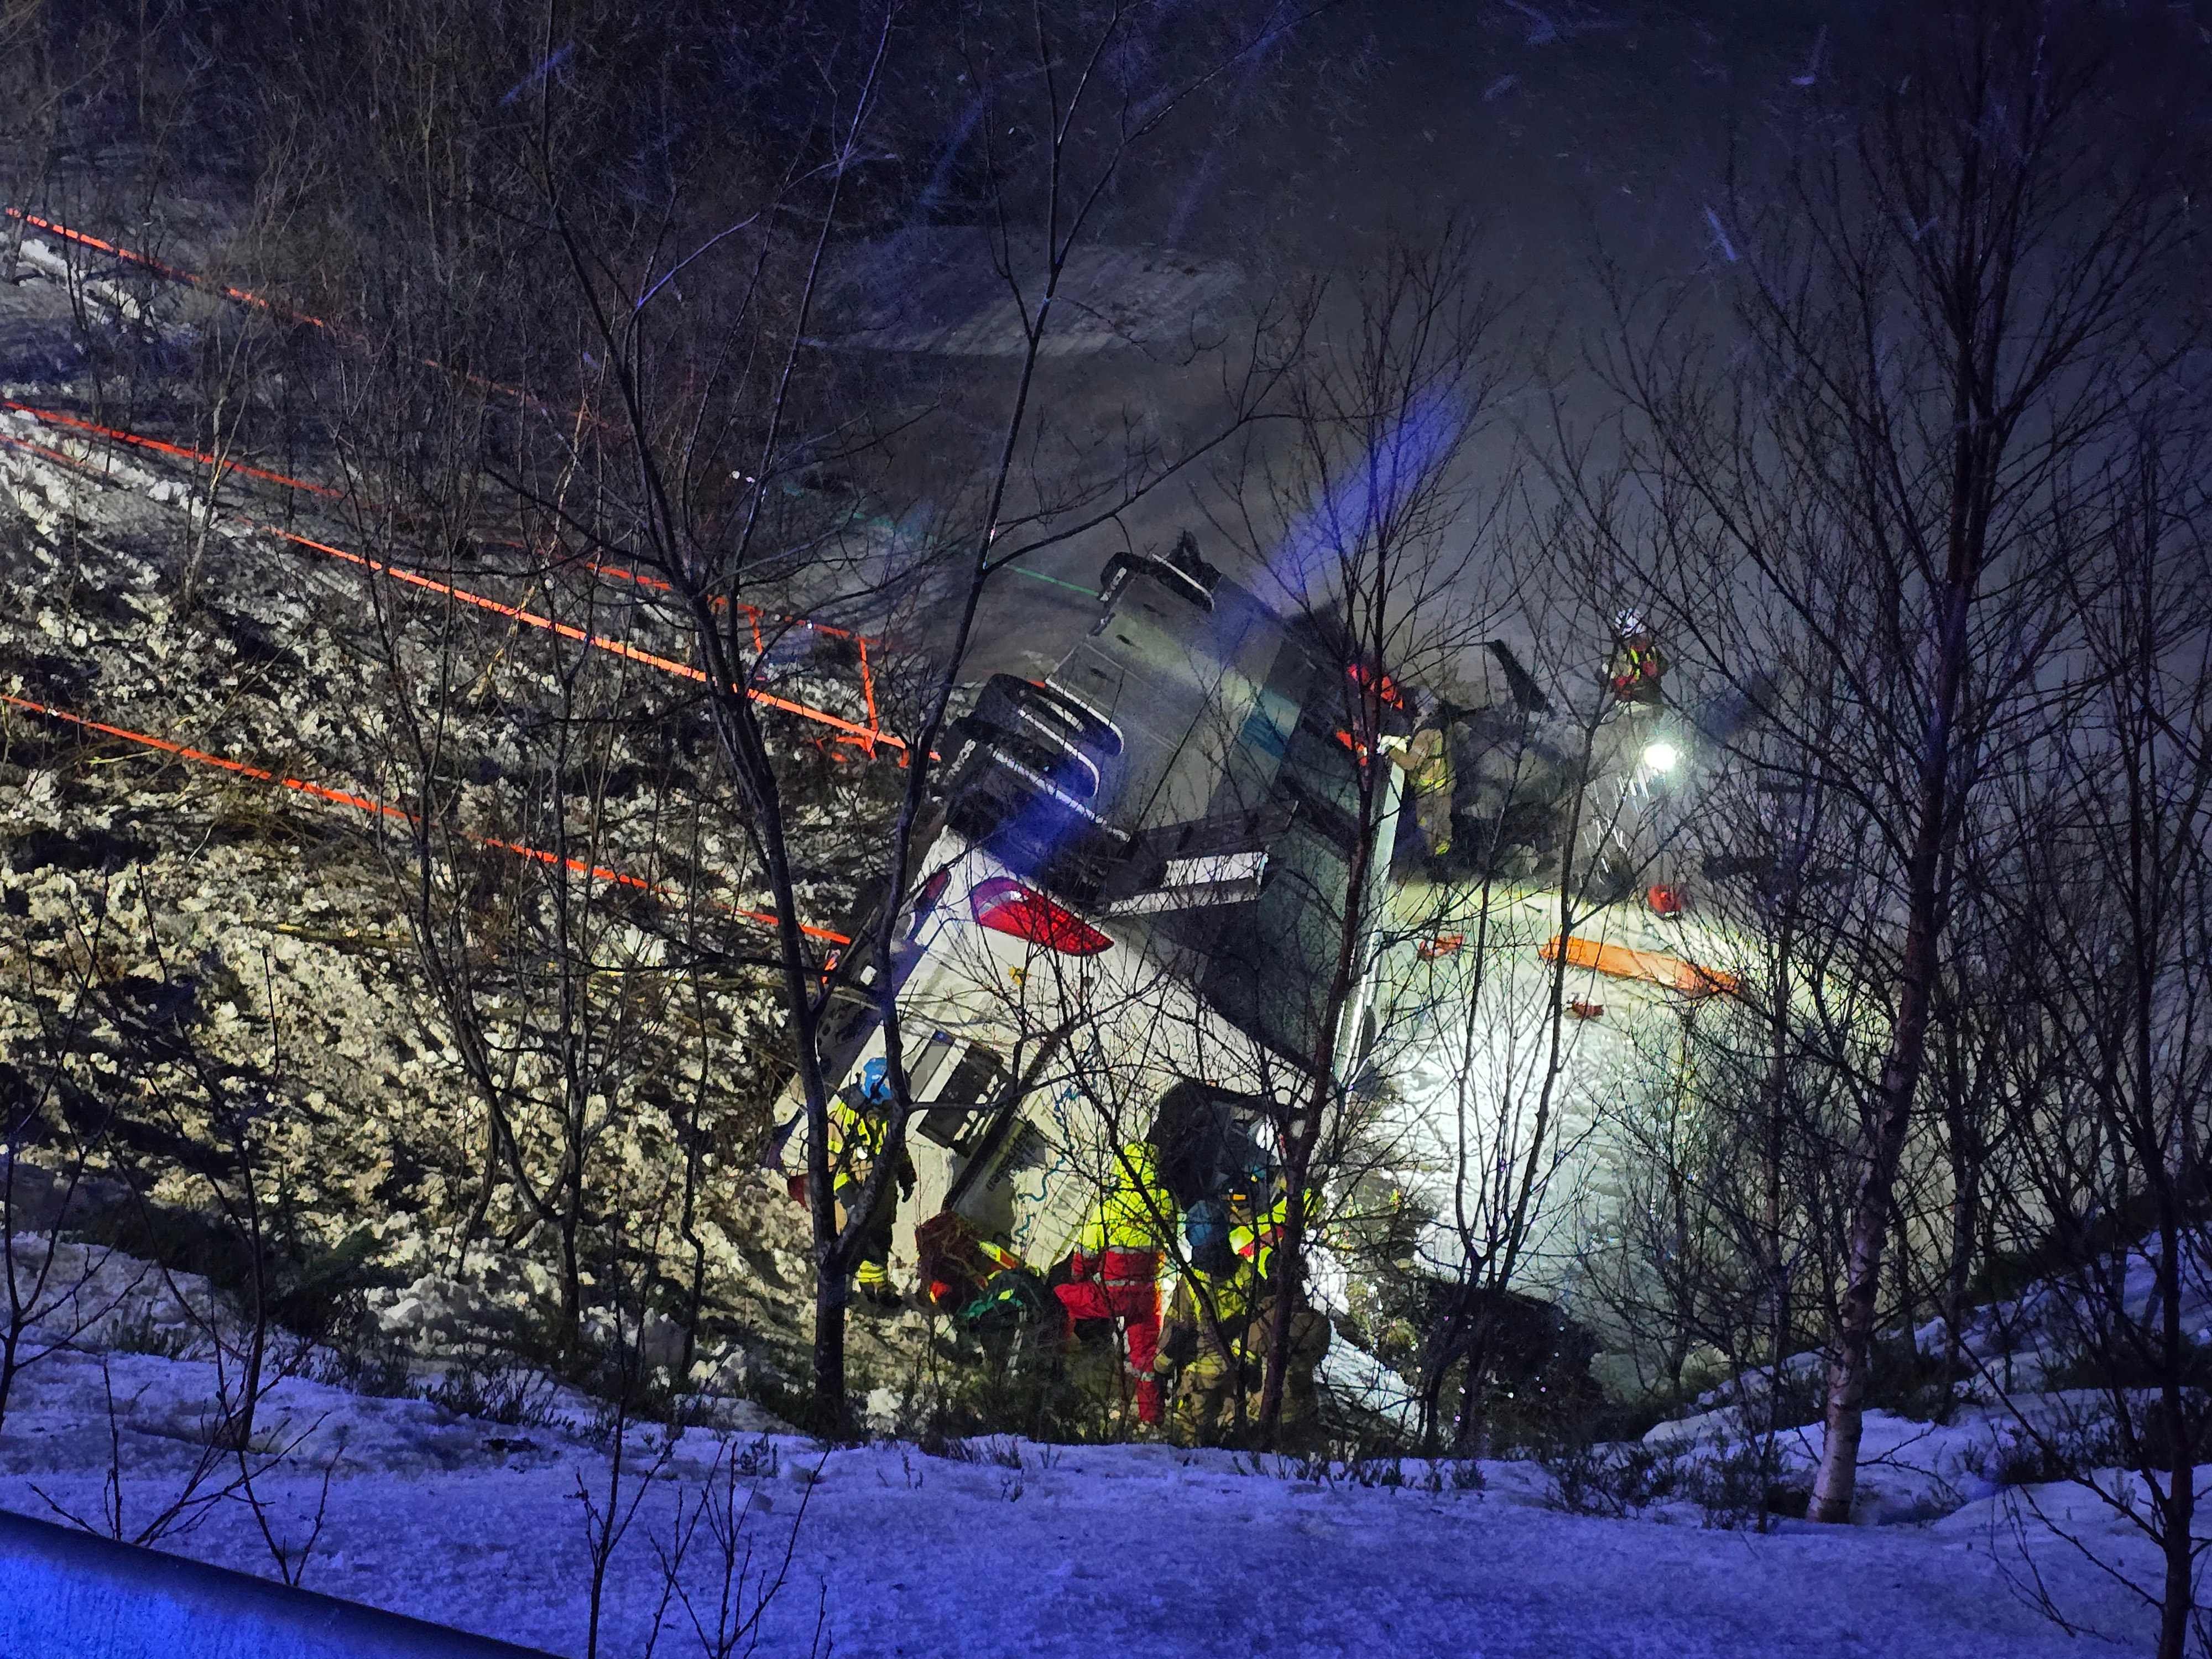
x=1230, y=1296
x=1256, y=1240
x=856, y=1134
x=1134, y=1211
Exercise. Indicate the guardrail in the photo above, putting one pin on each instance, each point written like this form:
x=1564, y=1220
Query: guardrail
x=67, y=1595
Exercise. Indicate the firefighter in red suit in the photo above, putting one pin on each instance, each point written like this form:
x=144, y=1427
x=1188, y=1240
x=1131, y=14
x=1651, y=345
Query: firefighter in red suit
x=1114, y=1272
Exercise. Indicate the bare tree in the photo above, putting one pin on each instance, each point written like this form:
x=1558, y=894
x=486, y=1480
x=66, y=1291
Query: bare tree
x=1946, y=307
x=552, y=964
x=185, y=1124
x=2110, y=907
x=55, y=1139
x=1371, y=520
x=1562, y=816
x=699, y=423
x=1754, y=1098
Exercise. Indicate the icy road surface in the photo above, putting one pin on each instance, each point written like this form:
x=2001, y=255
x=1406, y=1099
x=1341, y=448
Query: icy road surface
x=1143, y=1550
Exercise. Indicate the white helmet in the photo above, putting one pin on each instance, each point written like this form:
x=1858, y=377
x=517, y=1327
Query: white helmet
x=1627, y=623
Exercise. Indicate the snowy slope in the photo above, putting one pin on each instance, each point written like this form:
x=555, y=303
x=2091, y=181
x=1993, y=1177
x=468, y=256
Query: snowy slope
x=1017, y=1550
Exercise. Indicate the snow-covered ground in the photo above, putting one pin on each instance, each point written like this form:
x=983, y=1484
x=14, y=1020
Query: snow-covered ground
x=1017, y=1548
x=263, y=923
x=1468, y=1043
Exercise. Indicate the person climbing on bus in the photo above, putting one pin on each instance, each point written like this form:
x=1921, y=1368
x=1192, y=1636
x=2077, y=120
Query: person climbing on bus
x=859, y=1124
x=1633, y=671
x=1113, y=1273
x=1425, y=758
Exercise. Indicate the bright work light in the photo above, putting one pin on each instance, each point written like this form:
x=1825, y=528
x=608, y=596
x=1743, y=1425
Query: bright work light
x=1661, y=757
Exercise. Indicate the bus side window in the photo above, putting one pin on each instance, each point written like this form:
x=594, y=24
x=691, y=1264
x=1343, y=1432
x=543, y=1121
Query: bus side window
x=958, y=1119
x=845, y=1026
x=926, y=901
x=924, y=1062
x=976, y=1080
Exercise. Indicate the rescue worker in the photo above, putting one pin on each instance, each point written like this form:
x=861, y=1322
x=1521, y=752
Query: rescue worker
x=1426, y=761
x=1225, y=1355
x=1204, y=1348
x=1309, y=1327
x=859, y=1121
x=1113, y=1271
x=1635, y=666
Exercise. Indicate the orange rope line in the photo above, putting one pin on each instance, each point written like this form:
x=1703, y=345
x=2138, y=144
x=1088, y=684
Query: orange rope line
x=867, y=737
x=117, y=435
x=247, y=297
x=75, y=462
x=720, y=603
x=861, y=734
x=364, y=804
x=620, y=574
x=242, y=295
x=867, y=683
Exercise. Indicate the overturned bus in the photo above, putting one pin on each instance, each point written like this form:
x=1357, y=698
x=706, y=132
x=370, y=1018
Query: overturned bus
x=1136, y=895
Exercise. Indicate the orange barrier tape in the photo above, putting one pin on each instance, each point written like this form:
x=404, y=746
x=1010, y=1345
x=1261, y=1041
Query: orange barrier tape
x=1655, y=966
x=640, y=579
x=860, y=641
x=75, y=462
x=758, y=615
x=170, y=272
x=866, y=736
x=245, y=296
x=868, y=688
x=117, y=435
x=381, y=809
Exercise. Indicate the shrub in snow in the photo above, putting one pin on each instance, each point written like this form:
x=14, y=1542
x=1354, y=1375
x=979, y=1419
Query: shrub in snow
x=496, y=1389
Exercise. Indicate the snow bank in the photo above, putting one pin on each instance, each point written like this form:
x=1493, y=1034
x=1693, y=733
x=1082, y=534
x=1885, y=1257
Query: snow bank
x=998, y=1547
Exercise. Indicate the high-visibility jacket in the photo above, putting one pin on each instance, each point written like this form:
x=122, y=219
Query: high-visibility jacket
x=1228, y=1296
x=1636, y=666
x=1256, y=1240
x=1431, y=782
x=857, y=1133
x=1236, y=1293
x=1134, y=1211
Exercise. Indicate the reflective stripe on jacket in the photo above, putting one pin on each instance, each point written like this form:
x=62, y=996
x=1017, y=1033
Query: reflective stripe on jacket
x=1229, y=1296
x=1134, y=1211
x=856, y=1134
x=1256, y=1240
